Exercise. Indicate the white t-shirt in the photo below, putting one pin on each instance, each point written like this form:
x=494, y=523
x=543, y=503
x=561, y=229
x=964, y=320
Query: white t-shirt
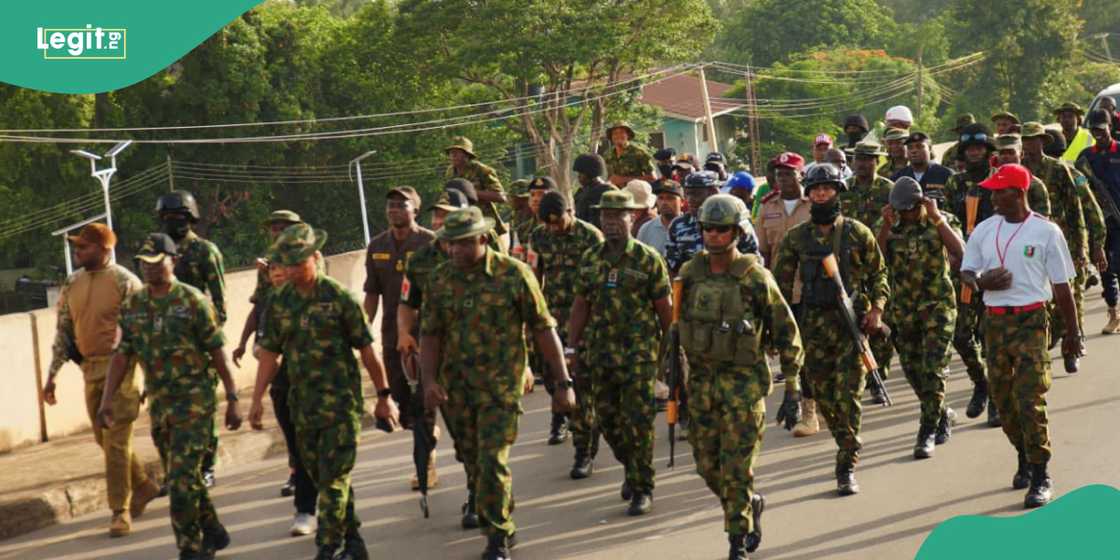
x=1034, y=251
x=790, y=205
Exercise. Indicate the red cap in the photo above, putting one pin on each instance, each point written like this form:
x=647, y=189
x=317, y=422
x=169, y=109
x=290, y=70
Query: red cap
x=790, y=160
x=1010, y=176
x=822, y=138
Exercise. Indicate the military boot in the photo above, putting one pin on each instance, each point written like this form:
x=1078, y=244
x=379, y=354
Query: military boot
x=738, y=547
x=993, y=415
x=754, y=538
x=1113, y=325
x=979, y=399
x=470, y=515
x=582, y=467
x=626, y=492
x=558, y=433
x=1041, y=487
x=326, y=552
x=878, y=394
x=203, y=554
x=640, y=504
x=1022, y=477
x=923, y=448
x=809, y=423
x=215, y=538
x=846, y=484
x=354, y=549
x=945, y=426
x=497, y=547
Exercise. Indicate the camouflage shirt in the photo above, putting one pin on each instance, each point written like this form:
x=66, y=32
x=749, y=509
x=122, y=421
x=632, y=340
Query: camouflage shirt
x=317, y=334
x=686, y=240
x=1094, y=216
x=104, y=319
x=966, y=183
x=484, y=178
x=481, y=316
x=634, y=161
x=866, y=278
x=865, y=203
x=200, y=265
x=918, y=268
x=558, y=265
x=1065, y=204
x=624, y=287
x=890, y=167
x=172, y=338
x=418, y=271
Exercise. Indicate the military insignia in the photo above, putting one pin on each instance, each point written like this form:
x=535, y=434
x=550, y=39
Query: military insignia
x=406, y=288
x=400, y=265
x=612, y=279
x=1028, y=251
x=468, y=302
x=379, y=256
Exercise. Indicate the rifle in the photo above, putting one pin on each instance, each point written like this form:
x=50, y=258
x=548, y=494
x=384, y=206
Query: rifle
x=832, y=270
x=971, y=207
x=1104, y=196
x=421, y=436
x=676, y=371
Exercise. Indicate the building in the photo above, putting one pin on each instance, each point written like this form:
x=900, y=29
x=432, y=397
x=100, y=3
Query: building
x=683, y=125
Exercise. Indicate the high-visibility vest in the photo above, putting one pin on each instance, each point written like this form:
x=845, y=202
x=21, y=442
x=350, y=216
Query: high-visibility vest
x=1081, y=140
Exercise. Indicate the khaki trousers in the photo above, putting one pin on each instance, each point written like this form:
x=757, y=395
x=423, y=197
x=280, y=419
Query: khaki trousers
x=123, y=472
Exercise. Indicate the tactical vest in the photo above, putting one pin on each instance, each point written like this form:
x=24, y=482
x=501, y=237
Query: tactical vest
x=817, y=289
x=718, y=323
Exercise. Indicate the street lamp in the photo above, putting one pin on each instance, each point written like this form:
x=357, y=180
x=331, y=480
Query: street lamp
x=103, y=176
x=357, y=162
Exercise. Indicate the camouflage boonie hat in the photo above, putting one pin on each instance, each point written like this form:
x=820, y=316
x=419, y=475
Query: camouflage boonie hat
x=1009, y=142
x=963, y=121
x=467, y=222
x=280, y=216
x=1033, y=129
x=461, y=143
x=1071, y=107
x=621, y=124
x=617, y=200
x=295, y=244
x=868, y=149
x=1005, y=115
x=895, y=134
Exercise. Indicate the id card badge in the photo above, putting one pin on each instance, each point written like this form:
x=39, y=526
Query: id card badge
x=612, y=279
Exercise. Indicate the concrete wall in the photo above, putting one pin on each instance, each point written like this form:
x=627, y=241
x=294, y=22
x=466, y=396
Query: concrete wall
x=20, y=405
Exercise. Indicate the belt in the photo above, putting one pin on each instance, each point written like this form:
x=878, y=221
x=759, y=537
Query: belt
x=1015, y=310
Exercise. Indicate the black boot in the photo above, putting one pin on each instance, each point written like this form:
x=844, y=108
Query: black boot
x=470, y=516
x=326, y=552
x=738, y=547
x=289, y=487
x=979, y=399
x=354, y=549
x=1022, y=477
x=846, y=483
x=640, y=504
x=877, y=392
x=215, y=538
x=626, y=491
x=993, y=415
x=497, y=548
x=945, y=426
x=204, y=554
x=558, y=433
x=582, y=467
x=923, y=448
x=1041, y=487
x=754, y=538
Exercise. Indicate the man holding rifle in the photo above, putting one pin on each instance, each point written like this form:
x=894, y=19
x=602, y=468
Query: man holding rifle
x=730, y=311
x=839, y=358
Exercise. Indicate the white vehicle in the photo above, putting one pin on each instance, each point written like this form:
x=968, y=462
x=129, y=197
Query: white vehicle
x=1112, y=91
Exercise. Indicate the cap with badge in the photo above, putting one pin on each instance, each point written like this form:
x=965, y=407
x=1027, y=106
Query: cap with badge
x=1010, y=176
x=156, y=247
x=95, y=234
x=916, y=137
x=668, y=186
x=406, y=192
x=554, y=205
x=295, y=244
x=464, y=223
x=543, y=182
x=790, y=160
x=906, y=194
x=617, y=200
x=822, y=139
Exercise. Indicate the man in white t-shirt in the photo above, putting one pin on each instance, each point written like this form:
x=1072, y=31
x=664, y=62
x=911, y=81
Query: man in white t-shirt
x=1020, y=260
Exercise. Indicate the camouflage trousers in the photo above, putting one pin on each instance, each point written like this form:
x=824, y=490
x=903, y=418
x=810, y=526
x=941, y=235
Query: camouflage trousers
x=625, y=410
x=836, y=378
x=968, y=337
x=185, y=440
x=725, y=432
x=484, y=433
x=328, y=454
x=160, y=439
x=1018, y=378
x=582, y=423
x=923, y=349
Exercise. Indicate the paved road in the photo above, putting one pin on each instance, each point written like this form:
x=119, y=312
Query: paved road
x=902, y=499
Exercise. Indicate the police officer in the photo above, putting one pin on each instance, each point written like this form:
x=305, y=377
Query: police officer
x=918, y=246
x=316, y=323
x=626, y=160
x=199, y=265
x=590, y=170
x=172, y=330
x=473, y=358
x=621, y=277
x=731, y=311
x=833, y=369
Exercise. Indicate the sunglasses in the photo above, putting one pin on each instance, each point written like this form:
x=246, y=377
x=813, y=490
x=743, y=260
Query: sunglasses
x=717, y=229
x=978, y=137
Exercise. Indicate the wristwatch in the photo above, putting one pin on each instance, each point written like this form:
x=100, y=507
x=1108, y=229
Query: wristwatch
x=231, y=397
x=384, y=393
x=565, y=384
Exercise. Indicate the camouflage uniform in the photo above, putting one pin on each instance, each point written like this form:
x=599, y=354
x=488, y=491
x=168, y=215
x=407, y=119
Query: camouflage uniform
x=317, y=334
x=727, y=396
x=1066, y=211
x=1097, y=232
x=889, y=168
x=634, y=161
x=866, y=205
x=923, y=311
x=620, y=357
x=1019, y=366
x=484, y=178
x=833, y=369
x=559, y=259
x=481, y=316
x=172, y=337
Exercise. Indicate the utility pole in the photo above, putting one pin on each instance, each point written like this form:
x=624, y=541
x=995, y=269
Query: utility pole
x=713, y=142
x=357, y=162
x=170, y=175
x=918, y=108
x=752, y=123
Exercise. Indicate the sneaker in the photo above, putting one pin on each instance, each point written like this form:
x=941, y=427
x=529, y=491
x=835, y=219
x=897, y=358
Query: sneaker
x=641, y=503
x=302, y=525
x=121, y=525
x=147, y=492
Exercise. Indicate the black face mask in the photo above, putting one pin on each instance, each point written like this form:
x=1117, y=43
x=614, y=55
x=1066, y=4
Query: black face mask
x=176, y=226
x=824, y=213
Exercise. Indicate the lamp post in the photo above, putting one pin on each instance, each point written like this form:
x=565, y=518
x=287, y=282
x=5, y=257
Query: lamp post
x=357, y=162
x=104, y=176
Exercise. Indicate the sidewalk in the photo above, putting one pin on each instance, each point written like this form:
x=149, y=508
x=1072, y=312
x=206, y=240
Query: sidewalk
x=54, y=482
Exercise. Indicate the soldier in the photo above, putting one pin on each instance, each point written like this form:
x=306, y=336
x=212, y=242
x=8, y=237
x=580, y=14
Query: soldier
x=89, y=307
x=918, y=245
x=929, y=175
x=524, y=211
x=855, y=128
x=560, y=243
x=464, y=164
x=1101, y=163
x=473, y=358
x=1005, y=122
x=729, y=376
x=1016, y=266
x=199, y=265
x=385, y=260
x=590, y=169
x=172, y=330
x=833, y=369
x=621, y=277
x=685, y=239
x=894, y=139
x=316, y=324
x=949, y=158
x=1076, y=137
x=626, y=160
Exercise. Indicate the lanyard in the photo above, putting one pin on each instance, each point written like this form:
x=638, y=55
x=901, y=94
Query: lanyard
x=1006, y=246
